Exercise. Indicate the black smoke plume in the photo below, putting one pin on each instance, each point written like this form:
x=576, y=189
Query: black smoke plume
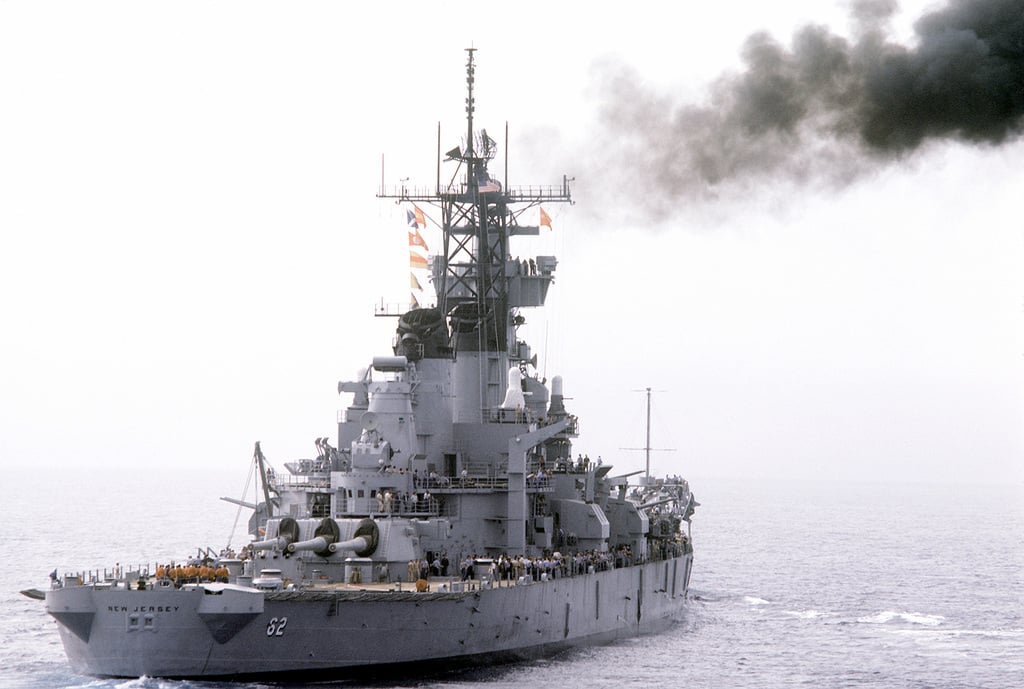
x=823, y=110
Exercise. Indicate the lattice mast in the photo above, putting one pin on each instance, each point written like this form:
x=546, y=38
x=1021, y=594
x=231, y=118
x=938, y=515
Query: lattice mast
x=480, y=286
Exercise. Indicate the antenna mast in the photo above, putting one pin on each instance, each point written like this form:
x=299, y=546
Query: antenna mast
x=647, y=445
x=470, y=103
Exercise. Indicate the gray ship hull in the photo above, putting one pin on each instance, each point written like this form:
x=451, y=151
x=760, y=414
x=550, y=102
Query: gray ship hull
x=236, y=632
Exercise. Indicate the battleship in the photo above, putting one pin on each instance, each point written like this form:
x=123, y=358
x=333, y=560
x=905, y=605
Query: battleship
x=449, y=524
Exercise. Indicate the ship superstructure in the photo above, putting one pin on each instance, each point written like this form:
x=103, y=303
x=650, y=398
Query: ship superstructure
x=451, y=495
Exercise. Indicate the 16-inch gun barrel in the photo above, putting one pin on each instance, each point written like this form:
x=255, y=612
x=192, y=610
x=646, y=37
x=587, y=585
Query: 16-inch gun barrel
x=287, y=532
x=358, y=544
x=322, y=544
x=279, y=543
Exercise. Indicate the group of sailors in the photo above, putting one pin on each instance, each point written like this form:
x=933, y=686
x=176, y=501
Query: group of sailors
x=663, y=550
x=514, y=569
x=581, y=465
x=192, y=573
x=526, y=266
x=424, y=569
x=435, y=480
x=402, y=502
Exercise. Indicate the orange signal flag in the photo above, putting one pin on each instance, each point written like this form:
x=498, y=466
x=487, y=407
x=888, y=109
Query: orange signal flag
x=414, y=283
x=545, y=219
x=417, y=261
x=416, y=239
x=420, y=219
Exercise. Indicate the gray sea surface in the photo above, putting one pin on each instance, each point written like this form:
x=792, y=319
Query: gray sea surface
x=795, y=584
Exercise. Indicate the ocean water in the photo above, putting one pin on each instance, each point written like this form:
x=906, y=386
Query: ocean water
x=795, y=584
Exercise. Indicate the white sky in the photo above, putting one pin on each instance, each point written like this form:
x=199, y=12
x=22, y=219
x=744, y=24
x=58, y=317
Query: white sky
x=192, y=249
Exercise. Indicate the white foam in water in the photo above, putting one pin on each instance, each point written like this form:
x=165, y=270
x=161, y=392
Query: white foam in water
x=912, y=617
x=953, y=633
x=806, y=614
x=755, y=601
x=994, y=633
